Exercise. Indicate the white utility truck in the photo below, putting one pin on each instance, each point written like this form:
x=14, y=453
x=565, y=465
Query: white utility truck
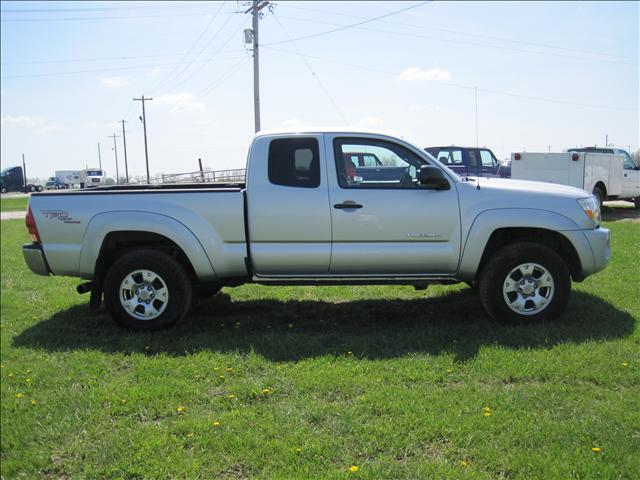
x=91, y=177
x=598, y=173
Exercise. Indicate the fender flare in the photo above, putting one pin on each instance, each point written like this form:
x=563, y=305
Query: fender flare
x=102, y=224
x=489, y=221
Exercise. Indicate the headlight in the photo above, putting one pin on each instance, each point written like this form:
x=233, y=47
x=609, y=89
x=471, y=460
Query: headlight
x=591, y=208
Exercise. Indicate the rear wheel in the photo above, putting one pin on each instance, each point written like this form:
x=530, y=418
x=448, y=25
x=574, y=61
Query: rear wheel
x=147, y=290
x=525, y=283
x=636, y=202
x=39, y=188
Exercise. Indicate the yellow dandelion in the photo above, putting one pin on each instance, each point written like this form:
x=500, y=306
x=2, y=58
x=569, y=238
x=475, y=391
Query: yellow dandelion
x=464, y=463
x=266, y=391
x=354, y=468
x=190, y=434
x=298, y=450
x=487, y=414
x=11, y=374
x=449, y=370
x=215, y=369
x=180, y=409
x=625, y=364
x=221, y=377
x=28, y=372
x=216, y=424
x=229, y=369
x=486, y=409
x=27, y=380
x=34, y=402
x=237, y=325
x=596, y=449
x=19, y=395
x=123, y=401
x=231, y=396
x=349, y=353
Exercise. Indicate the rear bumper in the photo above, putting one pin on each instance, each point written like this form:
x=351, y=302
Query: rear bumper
x=35, y=259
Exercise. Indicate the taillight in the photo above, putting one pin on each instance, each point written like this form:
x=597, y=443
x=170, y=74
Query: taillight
x=31, y=227
x=575, y=157
x=517, y=156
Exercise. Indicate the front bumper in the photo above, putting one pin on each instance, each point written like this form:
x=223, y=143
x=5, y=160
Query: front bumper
x=600, y=242
x=35, y=259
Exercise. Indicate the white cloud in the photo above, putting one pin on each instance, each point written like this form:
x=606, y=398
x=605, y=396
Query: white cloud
x=370, y=122
x=21, y=121
x=114, y=82
x=52, y=129
x=180, y=102
x=154, y=72
x=415, y=73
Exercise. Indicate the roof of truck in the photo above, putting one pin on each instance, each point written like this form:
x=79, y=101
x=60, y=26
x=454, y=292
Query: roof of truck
x=345, y=130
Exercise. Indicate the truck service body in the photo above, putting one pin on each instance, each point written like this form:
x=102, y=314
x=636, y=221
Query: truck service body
x=304, y=217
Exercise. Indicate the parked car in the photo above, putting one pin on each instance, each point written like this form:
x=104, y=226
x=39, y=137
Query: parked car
x=471, y=161
x=301, y=220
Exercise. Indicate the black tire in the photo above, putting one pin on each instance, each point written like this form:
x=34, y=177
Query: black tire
x=636, y=202
x=4, y=190
x=503, y=262
x=31, y=188
x=169, y=272
x=39, y=188
x=597, y=191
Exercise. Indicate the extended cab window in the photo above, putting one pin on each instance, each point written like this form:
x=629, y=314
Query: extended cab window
x=294, y=162
x=448, y=156
x=395, y=166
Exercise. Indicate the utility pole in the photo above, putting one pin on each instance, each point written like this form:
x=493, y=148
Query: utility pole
x=124, y=141
x=115, y=151
x=255, y=12
x=144, y=123
x=476, y=92
x=99, y=156
x=606, y=140
x=24, y=172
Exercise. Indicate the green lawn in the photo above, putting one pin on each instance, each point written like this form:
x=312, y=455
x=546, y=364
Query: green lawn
x=12, y=204
x=307, y=382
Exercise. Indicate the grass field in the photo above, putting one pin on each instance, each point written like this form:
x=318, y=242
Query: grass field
x=310, y=382
x=12, y=204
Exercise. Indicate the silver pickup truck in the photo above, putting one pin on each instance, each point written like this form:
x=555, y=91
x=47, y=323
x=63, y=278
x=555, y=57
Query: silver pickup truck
x=305, y=217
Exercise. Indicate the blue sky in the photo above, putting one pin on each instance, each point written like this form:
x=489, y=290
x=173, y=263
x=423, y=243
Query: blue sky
x=556, y=74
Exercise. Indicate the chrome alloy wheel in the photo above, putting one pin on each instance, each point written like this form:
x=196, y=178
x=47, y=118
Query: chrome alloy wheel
x=528, y=289
x=144, y=294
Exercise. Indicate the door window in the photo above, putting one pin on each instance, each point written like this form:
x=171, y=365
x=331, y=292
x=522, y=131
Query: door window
x=449, y=157
x=473, y=158
x=487, y=159
x=294, y=162
x=396, y=166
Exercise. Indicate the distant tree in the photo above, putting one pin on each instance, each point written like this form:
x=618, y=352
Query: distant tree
x=636, y=157
x=109, y=181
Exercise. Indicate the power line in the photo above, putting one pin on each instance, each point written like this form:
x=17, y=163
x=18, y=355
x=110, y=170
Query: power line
x=120, y=17
x=335, y=105
x=227, y=75
x=466, y=87
x=206, y=29
x=353, y=25
x=211, y=57
x=462, y=42
x=110, y=69
x=140, y=6
x=459, y=32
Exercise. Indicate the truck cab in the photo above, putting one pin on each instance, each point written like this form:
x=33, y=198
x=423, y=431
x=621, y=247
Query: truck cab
x=470, y=161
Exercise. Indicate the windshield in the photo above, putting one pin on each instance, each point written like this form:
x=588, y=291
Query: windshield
x=94, y=173
x=443, y=166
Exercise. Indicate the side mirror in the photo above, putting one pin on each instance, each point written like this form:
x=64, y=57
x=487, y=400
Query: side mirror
x=433, y=178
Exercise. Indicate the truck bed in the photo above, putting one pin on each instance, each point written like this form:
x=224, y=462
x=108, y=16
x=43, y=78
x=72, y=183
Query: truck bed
x=163, y=187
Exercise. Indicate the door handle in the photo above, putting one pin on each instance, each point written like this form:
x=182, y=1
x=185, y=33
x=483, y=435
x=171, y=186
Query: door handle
x=347, y=205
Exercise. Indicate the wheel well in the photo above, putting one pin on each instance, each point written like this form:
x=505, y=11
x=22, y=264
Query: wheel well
x=602, y=188
x=554, y=240
x=116, y=244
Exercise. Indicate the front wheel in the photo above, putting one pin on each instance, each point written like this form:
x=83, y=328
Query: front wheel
x=600, y=196
x=147, y=290
x=525, y=282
